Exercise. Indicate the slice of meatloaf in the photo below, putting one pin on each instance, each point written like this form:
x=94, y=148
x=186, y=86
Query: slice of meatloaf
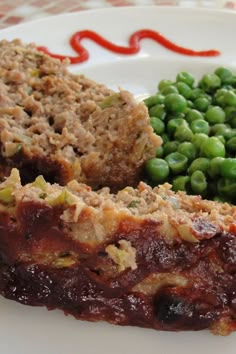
x=67, y=126
x=141, y=257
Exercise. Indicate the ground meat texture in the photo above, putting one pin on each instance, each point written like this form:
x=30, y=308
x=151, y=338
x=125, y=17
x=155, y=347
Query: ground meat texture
x=98, y=257
x=67, y=126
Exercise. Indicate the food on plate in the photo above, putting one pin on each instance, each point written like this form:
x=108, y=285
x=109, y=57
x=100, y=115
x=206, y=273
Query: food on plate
x=197, y=122
x=143, y=257
x=67, y=126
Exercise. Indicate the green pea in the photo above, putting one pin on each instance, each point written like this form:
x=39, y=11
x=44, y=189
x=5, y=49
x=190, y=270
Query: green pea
x=170, y=116
x=160, y=151
x=198, y=182
x=190, y=104
x=180, y=183
x=175, y=102
x=174, y=123
x=183, y=133
x=157, y=125
x=223, y=130
x=201, y=104
x=219, y=127
x=229, y=99
x=228, y=168
x=219, y=101
x=213, y=147
x=230, y=113
x=164, y=83
x=198, y=140
x=200, y=126
x=184, y=89
x=186, y=78
x=221, y=138
x=188, y=149
x=177, y=162
x=225, y=75
x=154, y=100
x=209, y=97
x=231, y=145
x=220, y=93
x=158, y=111
x=218, y=98
x=214, y=168
x=196, y=93
x=170, y=146
x=227, y=188
x=169, y=89
x=215, y=115
x=199, y=164
x=210, y=82
x=192, y=115
x=157, y=170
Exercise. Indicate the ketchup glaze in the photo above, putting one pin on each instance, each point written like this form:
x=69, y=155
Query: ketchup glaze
x=132, y=48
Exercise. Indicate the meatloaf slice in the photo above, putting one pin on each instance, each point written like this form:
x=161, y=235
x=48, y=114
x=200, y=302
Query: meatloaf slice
x=67, y=126
x=141, y=257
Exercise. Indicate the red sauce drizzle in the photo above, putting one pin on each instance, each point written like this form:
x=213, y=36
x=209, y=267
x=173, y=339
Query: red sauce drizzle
x=133, y=48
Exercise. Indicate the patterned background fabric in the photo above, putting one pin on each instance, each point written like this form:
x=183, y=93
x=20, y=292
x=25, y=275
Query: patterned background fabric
x=16, y=11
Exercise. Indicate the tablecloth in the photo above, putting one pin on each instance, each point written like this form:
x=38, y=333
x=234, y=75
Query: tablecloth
x=16, y=11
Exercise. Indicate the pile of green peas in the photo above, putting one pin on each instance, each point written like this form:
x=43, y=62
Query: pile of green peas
x=197, y=123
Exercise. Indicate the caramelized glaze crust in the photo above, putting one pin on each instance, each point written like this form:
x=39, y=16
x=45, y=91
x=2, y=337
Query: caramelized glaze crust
x=134, y=271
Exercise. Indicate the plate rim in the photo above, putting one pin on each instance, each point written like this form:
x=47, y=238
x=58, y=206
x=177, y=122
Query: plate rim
x=167, y=8
x=183, y=335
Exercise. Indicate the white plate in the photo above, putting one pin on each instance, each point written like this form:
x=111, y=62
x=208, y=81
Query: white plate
x=27, y=330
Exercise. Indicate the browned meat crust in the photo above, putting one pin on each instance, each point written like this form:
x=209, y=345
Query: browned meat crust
x=144, y=257
x=66, y=126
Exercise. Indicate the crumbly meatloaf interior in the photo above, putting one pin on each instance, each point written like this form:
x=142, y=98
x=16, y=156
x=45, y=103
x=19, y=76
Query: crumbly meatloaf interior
x=67, y=126
x=145, y=257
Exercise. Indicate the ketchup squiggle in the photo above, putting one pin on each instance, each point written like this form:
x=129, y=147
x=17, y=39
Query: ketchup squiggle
x=133, y=48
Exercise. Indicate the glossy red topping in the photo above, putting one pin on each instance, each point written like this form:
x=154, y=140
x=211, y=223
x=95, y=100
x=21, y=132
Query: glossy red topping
x=88, y=289
x=133, y=48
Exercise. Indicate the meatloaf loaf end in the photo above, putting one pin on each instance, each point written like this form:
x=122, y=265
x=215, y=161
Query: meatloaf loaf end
x=141, y=257
x=67, y=126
